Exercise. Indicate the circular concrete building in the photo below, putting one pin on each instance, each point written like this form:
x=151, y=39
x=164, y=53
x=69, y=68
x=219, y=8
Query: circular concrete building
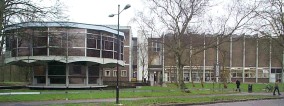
x=64, y=54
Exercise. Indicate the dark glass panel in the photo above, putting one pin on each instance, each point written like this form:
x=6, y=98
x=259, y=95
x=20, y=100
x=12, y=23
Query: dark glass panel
x=23, y=42
x=40, y=33
x=56, y=69
x=76, y=40
x=93, y=53
x=93, y=80
x=57, y=51
x=40, y=79
x=77, y=70
x=107, y=54
x=108, y=45
x=91, y=43
x=57, y=39
x=76, y=52
x=94, y=71
x=57, y=80
x=121, y=47
x=76, y=80
x=115, y=46
x=23, y=52
x=40, y=41
x=39, y=70
x=115, y=55
x=99, y=44
x=14, y=52
x=40, y=51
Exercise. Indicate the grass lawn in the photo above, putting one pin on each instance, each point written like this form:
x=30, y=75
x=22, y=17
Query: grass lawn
x=180, y=100
x=145, y=91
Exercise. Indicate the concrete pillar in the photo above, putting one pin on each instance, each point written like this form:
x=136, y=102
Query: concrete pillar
x=46, y=75
x=87, y=75
x=67, y=74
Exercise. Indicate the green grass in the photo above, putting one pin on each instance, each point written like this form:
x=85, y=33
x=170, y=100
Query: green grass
x=180, y=100
x=12, y=83
x=188, y=100
x=232, y=86
x=145, y=91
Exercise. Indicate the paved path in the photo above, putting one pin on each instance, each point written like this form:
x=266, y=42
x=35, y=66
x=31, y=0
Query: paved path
x=271, y=102
x=36, y=103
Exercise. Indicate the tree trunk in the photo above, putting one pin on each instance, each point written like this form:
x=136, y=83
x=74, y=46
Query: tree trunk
x=181, y=83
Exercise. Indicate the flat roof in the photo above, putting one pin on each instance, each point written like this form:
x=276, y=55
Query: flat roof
x=65, y=24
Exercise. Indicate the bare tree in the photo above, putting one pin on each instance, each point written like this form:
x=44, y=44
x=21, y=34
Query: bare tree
x=143, y=59
x=16, y=11
x=180, y=19
x=175, y=16
x=270, y=22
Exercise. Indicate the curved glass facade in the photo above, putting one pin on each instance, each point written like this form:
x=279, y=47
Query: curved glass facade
x=57, y=41
x=66, y=54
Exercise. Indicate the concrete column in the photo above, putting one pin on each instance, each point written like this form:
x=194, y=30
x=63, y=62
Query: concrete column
x=101, y=45
x=101, y=81
x=130, y=72
x=67, y=74
x=87, y=75
x=46, y=75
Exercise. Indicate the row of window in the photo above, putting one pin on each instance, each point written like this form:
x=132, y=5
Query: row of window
x=42, y=43
x=60, y=70
x=250, y=74
x=123, y=73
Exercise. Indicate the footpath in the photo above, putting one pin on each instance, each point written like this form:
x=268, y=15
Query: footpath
x=37, y=103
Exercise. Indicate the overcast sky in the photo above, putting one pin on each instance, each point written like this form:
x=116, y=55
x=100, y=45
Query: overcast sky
x=97, y=11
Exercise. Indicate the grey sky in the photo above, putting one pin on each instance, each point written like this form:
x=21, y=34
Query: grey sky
x=97, y=11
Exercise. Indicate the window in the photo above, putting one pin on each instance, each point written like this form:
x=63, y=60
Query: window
x=107, y=73
x=92, y=40
x=93, y=53
x=40, y=41
x=263, y=73
x=76, y=40
x=155, y=46
x=94, y=71
x=39, y=70
x=250, y=73
x=76, y=69
x=114, y=73
x=107, y=54
x=123, y=73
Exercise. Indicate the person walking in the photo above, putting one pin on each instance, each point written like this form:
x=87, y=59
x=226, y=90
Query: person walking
x=276, y=87
x=238, y=83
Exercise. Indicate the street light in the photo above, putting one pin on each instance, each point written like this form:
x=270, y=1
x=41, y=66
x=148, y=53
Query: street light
x=118, y=51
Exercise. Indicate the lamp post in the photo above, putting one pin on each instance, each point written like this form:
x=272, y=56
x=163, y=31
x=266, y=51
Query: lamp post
x=118, y=50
